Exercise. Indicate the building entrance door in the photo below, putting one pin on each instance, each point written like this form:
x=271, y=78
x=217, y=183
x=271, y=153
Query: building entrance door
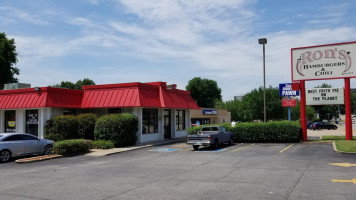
x=32, y=122
x=167, y=124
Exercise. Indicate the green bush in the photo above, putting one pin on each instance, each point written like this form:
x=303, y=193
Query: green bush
x=103, y=144
x=62, y=127
x=280, y=131
x=86, y=123
x=119, y=128
x=75, y=146
x=194, y=130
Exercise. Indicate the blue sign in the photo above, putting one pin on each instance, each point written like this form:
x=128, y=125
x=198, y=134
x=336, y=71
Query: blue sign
x=285, y=89
x=210, y=112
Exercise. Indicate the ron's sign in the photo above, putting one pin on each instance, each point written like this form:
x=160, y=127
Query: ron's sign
x=325, y=96
x=324, y=62
x=287, y=89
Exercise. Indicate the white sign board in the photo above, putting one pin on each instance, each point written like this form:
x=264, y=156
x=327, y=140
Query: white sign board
x=324, y=62
x=325, y=96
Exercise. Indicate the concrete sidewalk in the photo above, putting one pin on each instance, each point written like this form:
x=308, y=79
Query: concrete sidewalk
x=105, y=152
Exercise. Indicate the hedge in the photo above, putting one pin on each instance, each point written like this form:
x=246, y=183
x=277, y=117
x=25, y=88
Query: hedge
x=280, y=131
x=103, y=144
x=69, y=147
x=86, y=123
x=119, y=128
x=62, y=127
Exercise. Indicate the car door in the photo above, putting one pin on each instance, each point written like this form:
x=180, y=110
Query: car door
x=32, y=145
x=15, y=145
x=224, y=135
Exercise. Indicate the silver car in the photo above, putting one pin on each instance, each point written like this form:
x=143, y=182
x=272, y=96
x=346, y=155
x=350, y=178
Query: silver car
x=21, y=144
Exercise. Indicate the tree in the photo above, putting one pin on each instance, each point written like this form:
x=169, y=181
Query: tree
x=78, y=85
x=8, y=57
x=251, y=106
x=204, y=91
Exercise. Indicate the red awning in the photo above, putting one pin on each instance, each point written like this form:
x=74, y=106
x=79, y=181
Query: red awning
x=148, y=95
x=120, y=95
x=45, y=97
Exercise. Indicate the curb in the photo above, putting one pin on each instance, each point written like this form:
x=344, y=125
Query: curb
x=38, y=158
x=335, y=149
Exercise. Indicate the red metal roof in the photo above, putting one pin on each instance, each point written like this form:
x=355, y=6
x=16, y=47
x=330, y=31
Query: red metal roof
x=45, y=97
x=154, y=95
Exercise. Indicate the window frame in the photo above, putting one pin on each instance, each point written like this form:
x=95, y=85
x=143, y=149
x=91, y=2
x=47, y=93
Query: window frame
x=180, y=120
x=149, y=125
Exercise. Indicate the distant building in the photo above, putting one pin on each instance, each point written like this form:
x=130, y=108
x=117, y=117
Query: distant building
x=238, y=97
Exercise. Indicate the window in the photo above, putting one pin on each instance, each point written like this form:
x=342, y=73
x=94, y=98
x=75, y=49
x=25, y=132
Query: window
x=114, y=110
x=180, y=120
x=28, y=137
x=13, y=138
x=149, y=121
x=10, y=121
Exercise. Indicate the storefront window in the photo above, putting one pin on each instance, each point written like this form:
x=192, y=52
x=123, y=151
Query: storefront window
x=10, y=121
x=180, y=120
x=149, y=121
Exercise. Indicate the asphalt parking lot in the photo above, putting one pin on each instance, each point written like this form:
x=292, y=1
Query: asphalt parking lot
x=176, y=171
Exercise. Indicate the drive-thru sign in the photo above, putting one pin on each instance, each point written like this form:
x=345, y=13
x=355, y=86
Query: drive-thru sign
x=331, y=61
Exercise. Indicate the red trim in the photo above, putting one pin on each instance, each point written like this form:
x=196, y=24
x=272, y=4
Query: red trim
x=348, y=120
x=324, y=45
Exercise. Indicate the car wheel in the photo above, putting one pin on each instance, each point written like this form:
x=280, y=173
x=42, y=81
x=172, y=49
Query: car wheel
x=48, y=150
x=5, y=155
x=231, y=141
x=196, y=147
x=319, y=128
x=335, y=127
x=216, y=144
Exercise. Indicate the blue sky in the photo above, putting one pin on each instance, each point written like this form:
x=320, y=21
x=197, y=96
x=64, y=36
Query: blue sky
x=117, y=41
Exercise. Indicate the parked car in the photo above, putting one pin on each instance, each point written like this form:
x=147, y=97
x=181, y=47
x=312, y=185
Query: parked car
x=21, y=144
x=309, y=124
x=210, y=136
x=323, y=125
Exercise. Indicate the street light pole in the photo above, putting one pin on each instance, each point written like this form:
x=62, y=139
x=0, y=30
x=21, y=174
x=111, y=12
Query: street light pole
x=263, y=41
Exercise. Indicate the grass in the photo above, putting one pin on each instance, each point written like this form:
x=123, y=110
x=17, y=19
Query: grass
x=346, y=145
x=330, y=137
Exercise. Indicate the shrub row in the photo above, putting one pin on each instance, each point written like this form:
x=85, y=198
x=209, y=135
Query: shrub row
x=119, y=128
x=69, y=147
x=77, y=146
x=65, y=127
x=280, y=131
x=102, y=144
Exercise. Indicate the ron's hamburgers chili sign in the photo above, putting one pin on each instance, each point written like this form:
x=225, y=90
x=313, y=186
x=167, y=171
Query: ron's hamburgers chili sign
x=324, y=62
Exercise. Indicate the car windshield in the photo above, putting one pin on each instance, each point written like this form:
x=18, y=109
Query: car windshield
x=210, y=129
x=2, y=135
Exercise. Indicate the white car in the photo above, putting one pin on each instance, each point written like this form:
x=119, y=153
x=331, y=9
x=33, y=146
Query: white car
x=21, y=144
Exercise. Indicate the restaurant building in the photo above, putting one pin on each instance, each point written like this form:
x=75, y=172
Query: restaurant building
x=162, y=111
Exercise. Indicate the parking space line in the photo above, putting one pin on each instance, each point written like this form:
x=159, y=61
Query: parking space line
x=242, y=147
x=286, y=148
x=344, y=181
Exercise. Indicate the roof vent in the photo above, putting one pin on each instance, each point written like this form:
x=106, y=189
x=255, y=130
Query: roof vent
x=12, y=86
x=172, y=87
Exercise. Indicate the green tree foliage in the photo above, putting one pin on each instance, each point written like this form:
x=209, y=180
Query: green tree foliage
x=295, y=112
x=78, y=85
x=253, y=101
x=8, y=57
x=251, y=106
x=204, y=91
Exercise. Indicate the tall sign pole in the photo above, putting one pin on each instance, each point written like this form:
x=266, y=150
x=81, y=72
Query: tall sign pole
x=263, y=41
x=348, y=120
x=303, y=114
